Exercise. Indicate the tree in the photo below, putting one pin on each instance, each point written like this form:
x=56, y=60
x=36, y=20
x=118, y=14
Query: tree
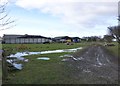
x=115, y=32
x=5, y=21
x=108, y=38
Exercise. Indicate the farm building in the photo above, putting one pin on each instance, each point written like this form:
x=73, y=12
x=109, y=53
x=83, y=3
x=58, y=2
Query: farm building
x=64, y=39
x=76, y=39
x=25, y=39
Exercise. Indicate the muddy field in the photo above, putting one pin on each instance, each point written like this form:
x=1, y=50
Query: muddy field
x=95, y=65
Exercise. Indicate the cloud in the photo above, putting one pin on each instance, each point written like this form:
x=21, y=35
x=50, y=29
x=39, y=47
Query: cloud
x=75, y=12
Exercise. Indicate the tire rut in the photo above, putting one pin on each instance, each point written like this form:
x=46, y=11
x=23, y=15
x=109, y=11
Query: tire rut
x=94, y=66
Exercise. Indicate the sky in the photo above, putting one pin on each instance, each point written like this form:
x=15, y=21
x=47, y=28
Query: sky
x=52, y=18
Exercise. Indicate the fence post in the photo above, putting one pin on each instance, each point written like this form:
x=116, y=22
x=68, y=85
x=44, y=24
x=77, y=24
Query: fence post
x=4, y=67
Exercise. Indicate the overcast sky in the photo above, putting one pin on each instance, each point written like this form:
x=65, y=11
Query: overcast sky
x=53, y=18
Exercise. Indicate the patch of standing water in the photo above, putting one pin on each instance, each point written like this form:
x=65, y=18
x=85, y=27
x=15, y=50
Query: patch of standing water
x=66, y=55
x=43, y=58
x=17, y=66
x=20, y=54
x=87, y=71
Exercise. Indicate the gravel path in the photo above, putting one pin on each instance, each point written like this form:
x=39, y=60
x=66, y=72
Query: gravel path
x=94, y=66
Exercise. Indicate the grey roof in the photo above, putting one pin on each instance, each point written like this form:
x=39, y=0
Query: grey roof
x=23, y=36
x=62, y=37
x=11, y=36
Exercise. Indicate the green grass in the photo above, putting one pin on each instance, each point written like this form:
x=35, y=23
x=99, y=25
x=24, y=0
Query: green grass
x=114, y=49
x=36, y=71
x=13, y=48
x=53, y=71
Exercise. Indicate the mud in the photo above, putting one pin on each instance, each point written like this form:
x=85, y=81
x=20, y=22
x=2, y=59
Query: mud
x=95, y=65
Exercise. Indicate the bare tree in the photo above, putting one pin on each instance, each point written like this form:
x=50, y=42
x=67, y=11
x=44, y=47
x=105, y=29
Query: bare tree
x=5, y=21
x=115, y=32
x=108, y=38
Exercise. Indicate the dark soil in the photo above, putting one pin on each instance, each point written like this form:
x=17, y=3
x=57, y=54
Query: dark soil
x=94, y=65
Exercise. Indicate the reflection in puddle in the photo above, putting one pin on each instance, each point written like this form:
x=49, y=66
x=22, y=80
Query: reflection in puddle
x=43, y=58
x=17, y=66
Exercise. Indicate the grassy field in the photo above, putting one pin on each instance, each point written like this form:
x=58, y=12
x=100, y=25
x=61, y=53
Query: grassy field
x=114, y=49
x=42, y=72
x=13, y=48
x=37, y=71
x=53, y=71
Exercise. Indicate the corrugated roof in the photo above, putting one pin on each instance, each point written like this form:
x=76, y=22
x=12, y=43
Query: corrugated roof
x=32, y=36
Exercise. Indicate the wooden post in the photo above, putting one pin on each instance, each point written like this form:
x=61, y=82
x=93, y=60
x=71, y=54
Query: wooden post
x=4, y=67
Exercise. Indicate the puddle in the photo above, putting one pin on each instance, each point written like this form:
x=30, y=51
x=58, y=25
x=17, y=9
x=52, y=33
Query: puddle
x=96, y=65
x=43, y=58
x=66, y=55
x=74, y=58
x=64, y=60
x=20, y=54
x=87, y=71
x=80, y=58
x=99, y=62
x=17, y=66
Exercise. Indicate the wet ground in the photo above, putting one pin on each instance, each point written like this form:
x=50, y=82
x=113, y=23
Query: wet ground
x=95, y=65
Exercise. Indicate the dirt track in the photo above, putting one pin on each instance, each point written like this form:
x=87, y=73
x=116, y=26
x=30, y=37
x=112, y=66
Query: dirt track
x=94, y=66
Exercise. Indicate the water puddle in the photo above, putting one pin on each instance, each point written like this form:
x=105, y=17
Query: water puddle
x=96, y=65
x=17, y=66
x=43, y=58
x=66, y=55
x=81, y=58
x=99, y=62
x=87, y=71
x=19, y=55
x=64, y=60
x=70, y=56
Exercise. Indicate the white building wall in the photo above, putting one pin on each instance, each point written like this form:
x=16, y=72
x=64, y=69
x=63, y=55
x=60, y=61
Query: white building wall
x=13, y=41
x=17, y=41
x=35, y=40
x=31, y=40
x=22, y=40
x=26, y=40
x=7, y=41
x=39, y=40
x=43, y=40
x=50, y=40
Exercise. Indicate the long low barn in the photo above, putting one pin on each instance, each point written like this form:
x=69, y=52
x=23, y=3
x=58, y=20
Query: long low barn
x=21, y=39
